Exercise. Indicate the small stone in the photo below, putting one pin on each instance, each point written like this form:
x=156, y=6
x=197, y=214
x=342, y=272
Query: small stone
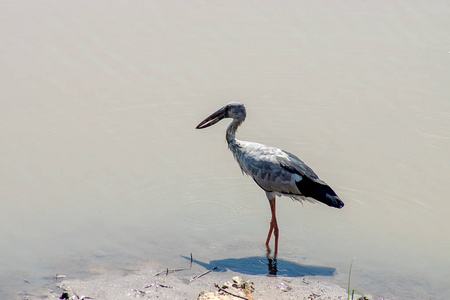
x=64, y=296
x=237, y=286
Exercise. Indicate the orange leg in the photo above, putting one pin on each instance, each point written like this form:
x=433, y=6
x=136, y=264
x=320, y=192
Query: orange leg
x=273, y=228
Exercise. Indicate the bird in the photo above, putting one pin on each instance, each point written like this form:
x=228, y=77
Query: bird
x=277, y=172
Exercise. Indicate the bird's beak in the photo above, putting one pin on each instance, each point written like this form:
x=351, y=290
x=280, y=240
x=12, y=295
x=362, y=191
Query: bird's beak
x=212, y=119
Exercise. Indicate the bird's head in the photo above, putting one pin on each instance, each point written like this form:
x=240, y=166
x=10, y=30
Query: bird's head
x=232, y=110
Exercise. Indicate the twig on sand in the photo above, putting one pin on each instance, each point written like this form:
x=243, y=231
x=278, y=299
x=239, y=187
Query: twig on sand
x=169, y=271
x=142, y=292
x=68, y=290
x=139, y=291
x=82, y=297
x=230, y=293
x=203, y=274
x=159, y=284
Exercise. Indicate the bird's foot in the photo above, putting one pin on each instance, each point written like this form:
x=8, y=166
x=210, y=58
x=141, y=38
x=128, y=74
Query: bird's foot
x=269, y=251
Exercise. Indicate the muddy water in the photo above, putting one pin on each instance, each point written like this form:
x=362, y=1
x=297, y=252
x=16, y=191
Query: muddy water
x=101, y=165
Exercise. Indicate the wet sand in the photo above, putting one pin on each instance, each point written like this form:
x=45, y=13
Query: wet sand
x=186, y=284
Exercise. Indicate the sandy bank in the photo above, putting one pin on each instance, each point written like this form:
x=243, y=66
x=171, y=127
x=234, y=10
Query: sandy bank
x=187, y=284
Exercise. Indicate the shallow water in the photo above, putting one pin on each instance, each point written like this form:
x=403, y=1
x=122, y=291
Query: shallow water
x=101, y=164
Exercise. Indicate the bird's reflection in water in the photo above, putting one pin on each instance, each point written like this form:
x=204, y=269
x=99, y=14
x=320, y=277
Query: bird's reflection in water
x=272, y=266
x=266, y=266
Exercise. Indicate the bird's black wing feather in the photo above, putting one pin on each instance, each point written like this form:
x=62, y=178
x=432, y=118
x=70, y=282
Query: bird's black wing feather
x=311, y=185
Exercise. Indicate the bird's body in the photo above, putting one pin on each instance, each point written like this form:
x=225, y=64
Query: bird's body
x=262, y=163
x=281, y=173
x=277, y=172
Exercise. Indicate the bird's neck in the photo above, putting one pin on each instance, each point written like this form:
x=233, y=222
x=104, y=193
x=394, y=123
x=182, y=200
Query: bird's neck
x=231, y=133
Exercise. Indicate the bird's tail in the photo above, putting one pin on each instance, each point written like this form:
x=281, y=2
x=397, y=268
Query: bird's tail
x=320, y=191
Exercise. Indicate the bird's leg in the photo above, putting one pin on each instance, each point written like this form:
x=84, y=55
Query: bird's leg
x=273, y=228
x=270, y=233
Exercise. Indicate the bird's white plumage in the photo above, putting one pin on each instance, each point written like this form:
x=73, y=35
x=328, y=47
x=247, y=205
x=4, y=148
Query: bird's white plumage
x=262, y=163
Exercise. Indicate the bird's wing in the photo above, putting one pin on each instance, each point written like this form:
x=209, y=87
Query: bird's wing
x=310, y=185
x=295, y=165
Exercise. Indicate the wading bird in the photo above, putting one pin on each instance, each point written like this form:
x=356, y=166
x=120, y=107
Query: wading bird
x=277, y=172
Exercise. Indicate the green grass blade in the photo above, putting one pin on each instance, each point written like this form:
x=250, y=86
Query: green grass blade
x=349, y=276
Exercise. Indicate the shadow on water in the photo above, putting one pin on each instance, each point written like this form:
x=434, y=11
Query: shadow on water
x=266, y=266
